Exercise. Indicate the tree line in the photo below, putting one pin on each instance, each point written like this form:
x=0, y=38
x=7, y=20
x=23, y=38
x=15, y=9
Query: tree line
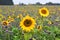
x=38, y=3
x=10, y=2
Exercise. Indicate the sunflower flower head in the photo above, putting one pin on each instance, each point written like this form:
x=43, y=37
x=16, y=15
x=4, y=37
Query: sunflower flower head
x=27, y=23
x=19, y=16
x=10, y=20
x=39, y=27
x=44, y=12
x=5, y=23
x=9, y=16
x=50, y=22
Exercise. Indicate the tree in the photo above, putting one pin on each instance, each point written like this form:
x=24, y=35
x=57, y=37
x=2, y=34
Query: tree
x=49, y=3
x=6, y=2
x=38, y=3
x=21, y=4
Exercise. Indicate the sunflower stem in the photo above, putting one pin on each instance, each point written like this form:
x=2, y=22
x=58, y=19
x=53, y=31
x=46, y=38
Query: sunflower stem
x=27, y=36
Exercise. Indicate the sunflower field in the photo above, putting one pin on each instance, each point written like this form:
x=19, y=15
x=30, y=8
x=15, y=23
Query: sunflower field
x=31, y=22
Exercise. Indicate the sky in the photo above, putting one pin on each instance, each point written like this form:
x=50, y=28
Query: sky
x=34, y=1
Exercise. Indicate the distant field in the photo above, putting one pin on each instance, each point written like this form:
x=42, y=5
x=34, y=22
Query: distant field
x=31, y=10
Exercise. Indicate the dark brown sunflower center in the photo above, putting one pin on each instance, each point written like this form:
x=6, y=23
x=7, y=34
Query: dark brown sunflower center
x=38, y=27
x=43, y=11
x=4, y=23
x=27, y=22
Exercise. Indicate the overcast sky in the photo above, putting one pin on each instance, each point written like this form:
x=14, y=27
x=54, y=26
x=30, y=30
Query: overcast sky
x=34, y=1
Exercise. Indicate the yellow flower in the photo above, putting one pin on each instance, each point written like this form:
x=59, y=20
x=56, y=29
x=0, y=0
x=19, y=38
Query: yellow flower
x=5, y=23
x=39, y=27
x=49, y=22
x=44, y=12
x=19, y=16
x=13, y=15
x=9, y=16
x=27, y=24
x=10, y=20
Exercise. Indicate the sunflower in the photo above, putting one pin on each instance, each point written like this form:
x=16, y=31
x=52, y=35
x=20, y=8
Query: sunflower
x=44, y=12
x=5, y=23
x=9, y=16
x=27, y=24
x=39, y=27
x=19, y=16
x=50, y=22
x=10, y=19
